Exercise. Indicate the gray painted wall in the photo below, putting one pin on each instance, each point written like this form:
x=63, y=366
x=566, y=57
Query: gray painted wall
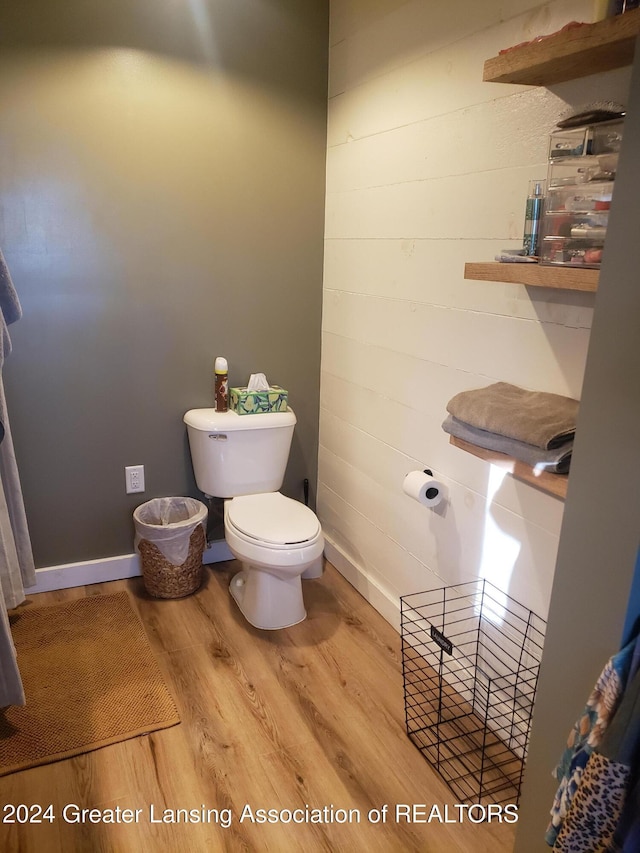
x=161, y=203
x=601, y=524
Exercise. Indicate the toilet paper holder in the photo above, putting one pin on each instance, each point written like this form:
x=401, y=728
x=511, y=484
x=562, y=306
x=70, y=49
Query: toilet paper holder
x=431, y=492
x=422, y=487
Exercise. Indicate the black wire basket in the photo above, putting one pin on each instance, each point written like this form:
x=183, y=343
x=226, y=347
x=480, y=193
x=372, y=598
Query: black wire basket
x=470, y=661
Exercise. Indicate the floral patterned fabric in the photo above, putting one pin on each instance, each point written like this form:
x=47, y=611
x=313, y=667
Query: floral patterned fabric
x=587, y=734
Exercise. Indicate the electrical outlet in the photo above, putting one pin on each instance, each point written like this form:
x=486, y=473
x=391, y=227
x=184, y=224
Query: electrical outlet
x=134, y=478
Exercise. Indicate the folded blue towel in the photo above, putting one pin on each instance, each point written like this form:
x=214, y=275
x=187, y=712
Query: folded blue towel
x=554, y=461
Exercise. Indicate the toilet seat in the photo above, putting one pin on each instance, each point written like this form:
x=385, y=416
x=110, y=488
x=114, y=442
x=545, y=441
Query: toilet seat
x=272, y=520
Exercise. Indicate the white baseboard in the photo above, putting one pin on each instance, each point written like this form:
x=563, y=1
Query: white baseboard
x=108, y=569
x=87, y=572
x=386, y=603
x=128, y=566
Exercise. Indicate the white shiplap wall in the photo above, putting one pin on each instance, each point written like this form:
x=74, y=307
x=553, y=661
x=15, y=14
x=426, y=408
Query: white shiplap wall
x=428, y=167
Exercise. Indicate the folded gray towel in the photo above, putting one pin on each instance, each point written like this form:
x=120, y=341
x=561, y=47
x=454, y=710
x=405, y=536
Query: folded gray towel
x=534, y=417
x=555, y=461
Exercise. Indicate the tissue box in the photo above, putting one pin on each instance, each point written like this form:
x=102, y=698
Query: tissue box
x=246, y=402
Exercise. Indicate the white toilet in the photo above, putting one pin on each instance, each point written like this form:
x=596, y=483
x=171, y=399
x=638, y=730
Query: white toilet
x=278, y=540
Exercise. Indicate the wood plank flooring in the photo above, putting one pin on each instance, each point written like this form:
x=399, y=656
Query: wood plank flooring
x=311, y=715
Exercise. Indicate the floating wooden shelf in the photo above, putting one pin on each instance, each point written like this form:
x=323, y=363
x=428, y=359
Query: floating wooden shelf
x=560, y=278
x=553, y=484
x=568, y=55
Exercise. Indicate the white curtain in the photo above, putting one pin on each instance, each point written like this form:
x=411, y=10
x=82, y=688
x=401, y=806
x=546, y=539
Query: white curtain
x=17, y=570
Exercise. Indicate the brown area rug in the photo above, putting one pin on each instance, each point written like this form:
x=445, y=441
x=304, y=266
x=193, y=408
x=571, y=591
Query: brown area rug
x=90, y=679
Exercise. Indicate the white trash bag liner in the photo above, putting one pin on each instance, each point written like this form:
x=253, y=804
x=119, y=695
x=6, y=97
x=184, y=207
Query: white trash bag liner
x=168, y=523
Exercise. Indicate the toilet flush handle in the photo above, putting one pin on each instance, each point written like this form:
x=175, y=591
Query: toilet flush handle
x=218, y=436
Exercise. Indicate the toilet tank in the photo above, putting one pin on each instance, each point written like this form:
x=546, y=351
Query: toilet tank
x=239, y=454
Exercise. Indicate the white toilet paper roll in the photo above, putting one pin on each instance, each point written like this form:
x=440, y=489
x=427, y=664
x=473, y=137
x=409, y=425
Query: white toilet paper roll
x=423, y=488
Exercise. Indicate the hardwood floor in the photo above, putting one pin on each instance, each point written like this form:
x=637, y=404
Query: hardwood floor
x=311, y=715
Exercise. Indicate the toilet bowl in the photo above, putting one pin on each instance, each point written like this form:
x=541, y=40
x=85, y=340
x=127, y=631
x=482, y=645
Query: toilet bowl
x=277, y=540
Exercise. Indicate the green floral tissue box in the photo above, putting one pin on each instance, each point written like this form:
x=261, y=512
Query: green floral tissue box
x=246, y=402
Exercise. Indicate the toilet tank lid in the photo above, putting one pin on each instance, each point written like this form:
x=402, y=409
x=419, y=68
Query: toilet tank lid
x=208, y=420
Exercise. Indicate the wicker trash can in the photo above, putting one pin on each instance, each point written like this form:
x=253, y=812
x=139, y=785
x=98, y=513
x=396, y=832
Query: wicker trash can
x=170, y=536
